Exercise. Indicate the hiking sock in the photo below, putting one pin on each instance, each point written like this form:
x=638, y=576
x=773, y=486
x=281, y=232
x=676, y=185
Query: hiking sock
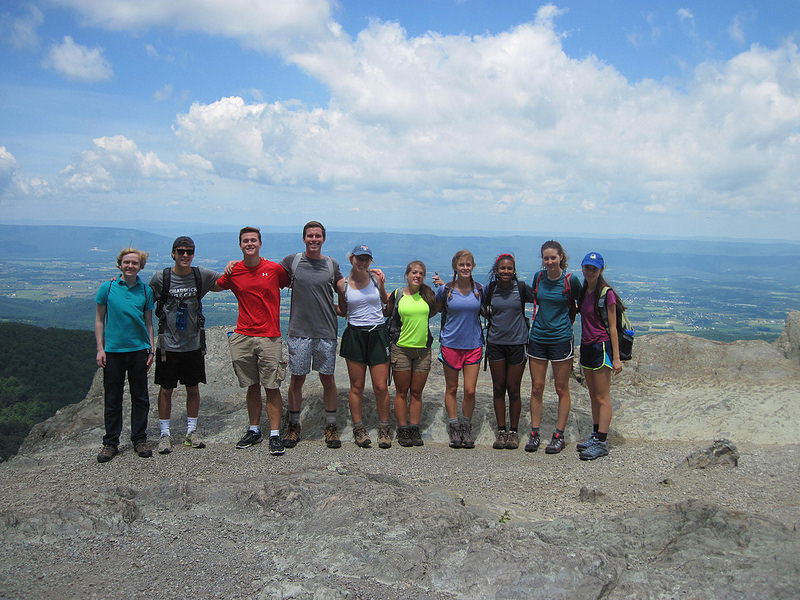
x=256, y=428
x=534, y=431
x=358, y=424
x=466, y=420
x=294, y=417
x=595, y=428
x=560, y=432
x=191, y=424
x=163, y=424
x=330, y=417
x=273, y=432
x=503, y=428
x=601, y=436
x=453, y=422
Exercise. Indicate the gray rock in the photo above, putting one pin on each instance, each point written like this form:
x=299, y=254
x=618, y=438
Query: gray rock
x=721, y=452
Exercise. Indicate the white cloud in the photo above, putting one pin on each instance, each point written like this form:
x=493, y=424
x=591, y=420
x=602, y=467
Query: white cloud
x=116, y=163
x=684, y=14
x=163, y=94
x=265, y=24
x=22, y=30
x=13, y=184
x=79, y=63
x=736, y=30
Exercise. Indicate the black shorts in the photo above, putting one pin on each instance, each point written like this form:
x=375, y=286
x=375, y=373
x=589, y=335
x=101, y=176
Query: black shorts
x=513, y=354
x=595, y=356
x=367, y=345
x=187, y=367
x=553, y=352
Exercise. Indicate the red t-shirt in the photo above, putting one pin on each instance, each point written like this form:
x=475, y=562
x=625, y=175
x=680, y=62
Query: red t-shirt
x=257, y=290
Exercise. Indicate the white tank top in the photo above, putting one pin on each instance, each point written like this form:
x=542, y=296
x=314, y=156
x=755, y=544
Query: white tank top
x=364, y=306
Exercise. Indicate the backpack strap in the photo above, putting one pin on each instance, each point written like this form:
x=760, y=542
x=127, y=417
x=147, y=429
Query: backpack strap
x=166, y=275
x=296, y=262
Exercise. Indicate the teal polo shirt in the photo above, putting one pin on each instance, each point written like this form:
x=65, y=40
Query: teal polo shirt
x=125, y=329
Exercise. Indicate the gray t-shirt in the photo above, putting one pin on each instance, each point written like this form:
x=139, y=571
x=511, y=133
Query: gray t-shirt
x=508, y=321
x=182, y=291
x=312, y=313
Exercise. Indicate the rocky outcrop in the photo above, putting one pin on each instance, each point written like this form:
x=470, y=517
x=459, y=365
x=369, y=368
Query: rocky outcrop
x=789, y=340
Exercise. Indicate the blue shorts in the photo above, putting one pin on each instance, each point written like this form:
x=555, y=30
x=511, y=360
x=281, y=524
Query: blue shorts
x=553, y=352
x=595, y=356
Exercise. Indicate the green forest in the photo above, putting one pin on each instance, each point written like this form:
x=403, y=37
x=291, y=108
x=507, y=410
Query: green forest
x=41, y=370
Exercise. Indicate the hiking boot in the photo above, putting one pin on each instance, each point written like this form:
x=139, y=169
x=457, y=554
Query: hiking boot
x=361, y=437
x=165, y=445
x=106, y=453
x=404, y=437
x=596, y=450
x=250, y=438
x=416, y=436
x=142, y=450
x=384, y=439
x=276, y=447
x=512, y=440
x=533, y=442
x=292, y=435
x=466, y=436
x=194, y=439
x=590, y=441
x=454, y=431
x=500, y=441
x=332, y=436
x=556, y=444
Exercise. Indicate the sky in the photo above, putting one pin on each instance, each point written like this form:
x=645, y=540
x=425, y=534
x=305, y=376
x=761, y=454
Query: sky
x=608, y=118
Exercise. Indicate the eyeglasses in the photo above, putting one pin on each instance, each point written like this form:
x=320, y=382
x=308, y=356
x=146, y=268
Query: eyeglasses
x=187, y=251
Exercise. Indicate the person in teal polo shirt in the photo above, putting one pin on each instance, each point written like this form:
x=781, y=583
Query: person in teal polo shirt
x=123, y=330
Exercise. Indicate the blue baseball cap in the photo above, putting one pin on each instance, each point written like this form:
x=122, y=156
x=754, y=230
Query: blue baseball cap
x=594, y=259
x=361, y=250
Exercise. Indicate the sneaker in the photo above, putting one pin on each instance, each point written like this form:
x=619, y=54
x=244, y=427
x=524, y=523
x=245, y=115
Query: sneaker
x=332, y=436
x=404, y=437
x=596, y=450
x=384, y=439
x=454, y=431
x=194, y=439
x=361, y=437
x=251, y=438
x=500, y=441
x=142, y=450
x=533, y=442
x=466, y=436
x=107, y=452
x=590, y=441
x=416, y=436
x=276, y=447
x=165, y=445
x=292, y=435
x=512, y=440
x=556, y=444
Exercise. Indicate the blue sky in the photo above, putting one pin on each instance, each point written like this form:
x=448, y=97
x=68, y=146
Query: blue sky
x=605, y=118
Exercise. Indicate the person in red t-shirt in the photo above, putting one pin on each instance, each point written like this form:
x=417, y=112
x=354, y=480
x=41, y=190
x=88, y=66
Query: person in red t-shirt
x=256, y=344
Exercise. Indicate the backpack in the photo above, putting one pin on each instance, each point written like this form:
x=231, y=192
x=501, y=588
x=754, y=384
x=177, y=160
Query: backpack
x=490, y=289
x=572, y=302
x=166, y=277
x=625, y=331
x=448, y=293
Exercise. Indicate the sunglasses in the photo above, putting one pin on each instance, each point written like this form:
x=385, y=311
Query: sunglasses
x=187, y=251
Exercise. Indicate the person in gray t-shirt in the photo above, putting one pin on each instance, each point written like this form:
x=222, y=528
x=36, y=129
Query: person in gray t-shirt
x=312, y=330
x=180, y=349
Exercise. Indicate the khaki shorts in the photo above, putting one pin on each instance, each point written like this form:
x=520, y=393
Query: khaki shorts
x=410, y=359
x=258, y=360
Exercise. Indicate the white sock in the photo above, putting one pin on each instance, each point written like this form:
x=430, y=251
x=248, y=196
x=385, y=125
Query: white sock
x=191, y=424
x=274, y=432
x=164, y=426
x=255, y=428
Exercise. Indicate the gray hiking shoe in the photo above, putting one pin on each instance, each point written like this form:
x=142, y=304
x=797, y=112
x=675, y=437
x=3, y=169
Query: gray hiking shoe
x=416, y=435
x=534, y=441
x=590, y=441
x=404, y=437
x=194, y=439
x=165, y=445
x=596, y=450
x=466, y=436
x=454, y=431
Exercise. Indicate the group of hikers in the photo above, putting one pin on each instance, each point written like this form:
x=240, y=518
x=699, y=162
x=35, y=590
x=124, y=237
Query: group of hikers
x=386, y=333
